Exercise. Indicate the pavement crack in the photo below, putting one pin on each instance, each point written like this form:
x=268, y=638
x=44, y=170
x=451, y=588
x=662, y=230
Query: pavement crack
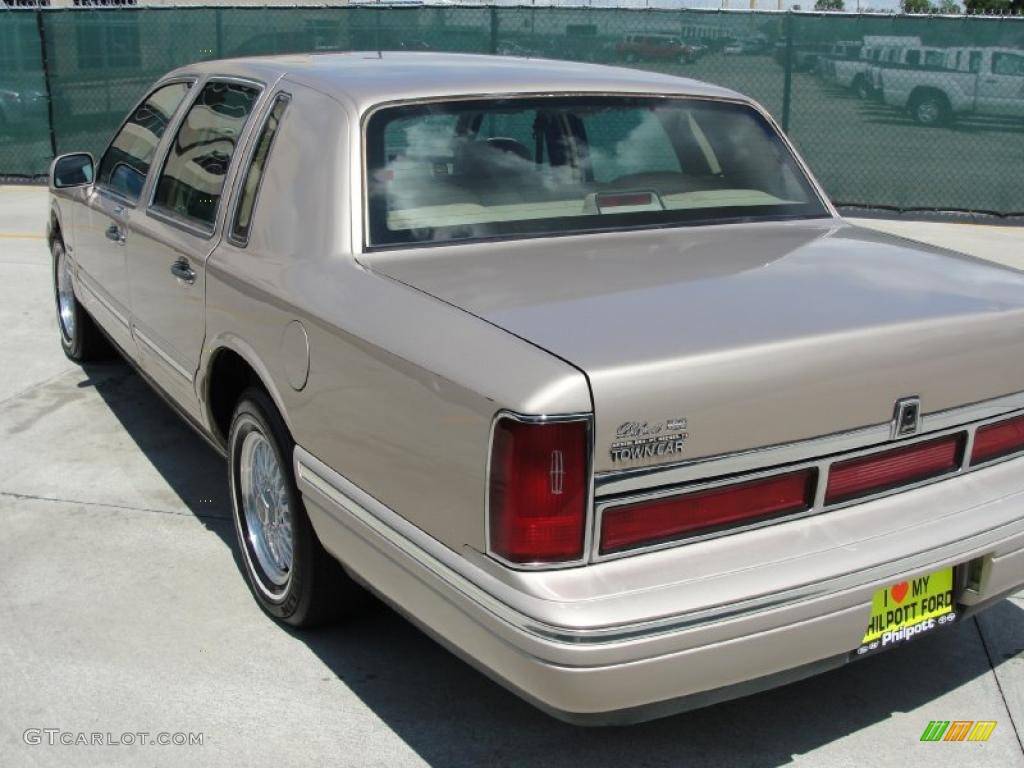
x=122, y=507
x=999, y=685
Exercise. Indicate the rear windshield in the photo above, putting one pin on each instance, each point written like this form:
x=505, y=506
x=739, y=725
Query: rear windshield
x=467, y=170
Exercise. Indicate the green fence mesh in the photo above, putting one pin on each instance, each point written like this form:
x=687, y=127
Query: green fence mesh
x=899, y=111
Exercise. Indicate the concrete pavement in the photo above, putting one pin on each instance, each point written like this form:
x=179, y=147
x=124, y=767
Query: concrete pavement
x=122, y=610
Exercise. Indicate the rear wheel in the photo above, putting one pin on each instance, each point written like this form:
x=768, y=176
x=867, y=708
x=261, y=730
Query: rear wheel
x=929, y=109
x=860, y=87
x=288, y=571
x=80, y=339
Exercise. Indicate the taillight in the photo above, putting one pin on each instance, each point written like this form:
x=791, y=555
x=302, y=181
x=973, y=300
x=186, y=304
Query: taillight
x=673, y=517
x=995, y=440
x=882, y=471
x=538, y=490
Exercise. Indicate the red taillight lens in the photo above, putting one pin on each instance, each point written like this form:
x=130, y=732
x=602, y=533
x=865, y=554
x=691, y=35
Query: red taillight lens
x=995, y=440
x=658, y=520
x=538, y=492
x=891, y=469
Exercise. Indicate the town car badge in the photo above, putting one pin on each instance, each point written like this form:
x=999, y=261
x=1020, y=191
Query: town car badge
x=636, y=440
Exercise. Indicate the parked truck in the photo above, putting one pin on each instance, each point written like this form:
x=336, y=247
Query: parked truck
x=854, y=72
x=975, y=81
x=916, y=57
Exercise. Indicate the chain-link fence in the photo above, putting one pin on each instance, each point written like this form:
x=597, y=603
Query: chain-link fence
x=909, y=112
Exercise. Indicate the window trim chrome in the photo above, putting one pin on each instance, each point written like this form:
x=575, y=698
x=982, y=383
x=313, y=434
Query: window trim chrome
x=588, y=504
x=239, y=182
x=363, y=245
x=172, y=218
x=191, y=80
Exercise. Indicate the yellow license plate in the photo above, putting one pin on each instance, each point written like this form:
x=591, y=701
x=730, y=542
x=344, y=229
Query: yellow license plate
x=910, y=608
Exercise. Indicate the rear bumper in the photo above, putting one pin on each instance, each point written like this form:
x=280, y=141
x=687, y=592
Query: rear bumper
x=610, y=643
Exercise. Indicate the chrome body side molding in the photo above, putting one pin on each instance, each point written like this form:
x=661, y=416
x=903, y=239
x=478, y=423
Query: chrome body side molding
x=367, y=517
x=87, y=283
x=169, y=361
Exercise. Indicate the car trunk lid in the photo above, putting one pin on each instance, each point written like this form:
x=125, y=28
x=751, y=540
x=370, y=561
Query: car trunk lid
x=741, y=336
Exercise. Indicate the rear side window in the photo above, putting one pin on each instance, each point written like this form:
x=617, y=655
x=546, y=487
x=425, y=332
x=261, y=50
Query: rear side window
x=251, y=185
x=124, y=165
x=1007, y=64
x=192, y=180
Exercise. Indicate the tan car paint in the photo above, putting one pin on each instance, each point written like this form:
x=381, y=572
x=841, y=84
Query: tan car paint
x=756, y=334
x=396, y=393
x=412, y=354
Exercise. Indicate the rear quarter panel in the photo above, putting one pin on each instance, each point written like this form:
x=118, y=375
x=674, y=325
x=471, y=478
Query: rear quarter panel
x=402, y=388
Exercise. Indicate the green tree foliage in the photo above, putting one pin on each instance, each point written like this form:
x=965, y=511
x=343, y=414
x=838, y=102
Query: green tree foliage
x=916, y=6
x=994, y=6
x=948, y=7
x=829, y=5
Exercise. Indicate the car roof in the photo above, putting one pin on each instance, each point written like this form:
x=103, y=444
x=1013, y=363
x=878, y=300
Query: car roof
x=368, y=78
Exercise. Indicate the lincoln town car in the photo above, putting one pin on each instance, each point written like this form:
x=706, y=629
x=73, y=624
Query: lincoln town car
x=575, y=366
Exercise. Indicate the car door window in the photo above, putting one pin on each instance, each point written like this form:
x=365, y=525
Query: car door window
x=125, y=164
x=192, y=180
x=1007, y=64
x=251, y=184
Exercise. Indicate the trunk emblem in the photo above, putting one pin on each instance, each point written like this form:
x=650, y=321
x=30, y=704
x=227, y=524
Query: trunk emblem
x=906, y=418
x=638, y=440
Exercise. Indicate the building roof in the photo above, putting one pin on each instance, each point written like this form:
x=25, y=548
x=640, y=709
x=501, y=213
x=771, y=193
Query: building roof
x=368, y=78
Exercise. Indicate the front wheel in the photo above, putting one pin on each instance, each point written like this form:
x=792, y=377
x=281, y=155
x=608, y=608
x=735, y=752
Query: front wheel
x=288, y=571
x=80, y=339
x=930, y=109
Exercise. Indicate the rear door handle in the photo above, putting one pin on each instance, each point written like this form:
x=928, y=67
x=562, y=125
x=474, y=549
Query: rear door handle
x=182, y=271
x=116, y=234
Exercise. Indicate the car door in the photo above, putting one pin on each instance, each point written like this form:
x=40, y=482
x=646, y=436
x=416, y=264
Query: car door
x=101, y=220
x=1001, y=88
x=170, y=244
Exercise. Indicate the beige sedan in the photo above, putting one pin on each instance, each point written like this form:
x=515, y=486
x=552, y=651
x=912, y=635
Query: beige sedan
x=576, y=366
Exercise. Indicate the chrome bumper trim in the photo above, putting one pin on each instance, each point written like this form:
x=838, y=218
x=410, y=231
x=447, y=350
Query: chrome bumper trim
x=878, y=435
x=355, y=509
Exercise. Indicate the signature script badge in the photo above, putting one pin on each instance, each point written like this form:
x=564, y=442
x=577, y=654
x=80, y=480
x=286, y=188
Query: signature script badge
x=636, y=440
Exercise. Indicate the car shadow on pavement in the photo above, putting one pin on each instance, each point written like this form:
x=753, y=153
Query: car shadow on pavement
x=191, y=468
x=452, y=715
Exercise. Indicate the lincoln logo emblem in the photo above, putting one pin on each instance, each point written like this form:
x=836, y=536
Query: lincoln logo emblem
x=557, y=473
x=907, y=417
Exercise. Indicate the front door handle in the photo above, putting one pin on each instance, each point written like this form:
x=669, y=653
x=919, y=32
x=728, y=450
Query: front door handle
x=116, y=234
x=181, y=270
